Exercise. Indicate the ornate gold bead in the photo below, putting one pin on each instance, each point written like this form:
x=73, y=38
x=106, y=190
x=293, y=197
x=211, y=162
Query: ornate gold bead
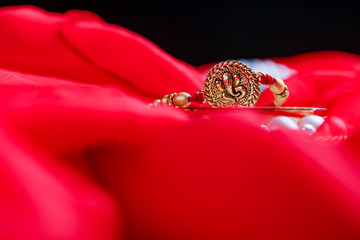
x=181, y=100
x=283, y=94
x=280, y=98
x=165, y=100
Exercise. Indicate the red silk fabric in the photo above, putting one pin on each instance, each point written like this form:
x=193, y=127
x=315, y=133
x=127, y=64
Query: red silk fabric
x=83, y=158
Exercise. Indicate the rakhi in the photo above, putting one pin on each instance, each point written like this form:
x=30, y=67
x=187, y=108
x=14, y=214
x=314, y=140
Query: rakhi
x=229, y=84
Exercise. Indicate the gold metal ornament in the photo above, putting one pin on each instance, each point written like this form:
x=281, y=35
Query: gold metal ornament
x=283, y=94
x=231, y=84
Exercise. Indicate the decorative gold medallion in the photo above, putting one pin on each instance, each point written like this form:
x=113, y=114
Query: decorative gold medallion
x=231, y=84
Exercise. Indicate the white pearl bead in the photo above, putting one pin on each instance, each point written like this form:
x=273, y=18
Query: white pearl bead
x=308, y=128
x=314, y=120
x=282, y=122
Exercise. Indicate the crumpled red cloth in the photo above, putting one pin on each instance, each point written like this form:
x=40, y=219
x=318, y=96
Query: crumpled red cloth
x=82, y=157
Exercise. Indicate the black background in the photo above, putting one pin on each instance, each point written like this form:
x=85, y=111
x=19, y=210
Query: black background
x=204, y=31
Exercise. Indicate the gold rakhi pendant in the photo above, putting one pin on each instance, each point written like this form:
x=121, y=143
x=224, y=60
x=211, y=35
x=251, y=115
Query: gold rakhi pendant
x=231, y=84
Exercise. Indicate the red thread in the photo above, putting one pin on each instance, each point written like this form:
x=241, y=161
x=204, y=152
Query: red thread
x=198, y=97
x=267, y=79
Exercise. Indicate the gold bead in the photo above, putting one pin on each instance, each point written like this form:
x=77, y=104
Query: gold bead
x=181, y=100
x=280, y=98
x=278, y=86
x=170, y=99
x=165, y=100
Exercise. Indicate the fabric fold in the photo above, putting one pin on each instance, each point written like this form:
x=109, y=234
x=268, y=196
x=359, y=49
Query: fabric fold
x=83, y=157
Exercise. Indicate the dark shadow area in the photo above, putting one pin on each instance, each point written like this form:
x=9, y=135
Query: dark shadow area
x=204, y=31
